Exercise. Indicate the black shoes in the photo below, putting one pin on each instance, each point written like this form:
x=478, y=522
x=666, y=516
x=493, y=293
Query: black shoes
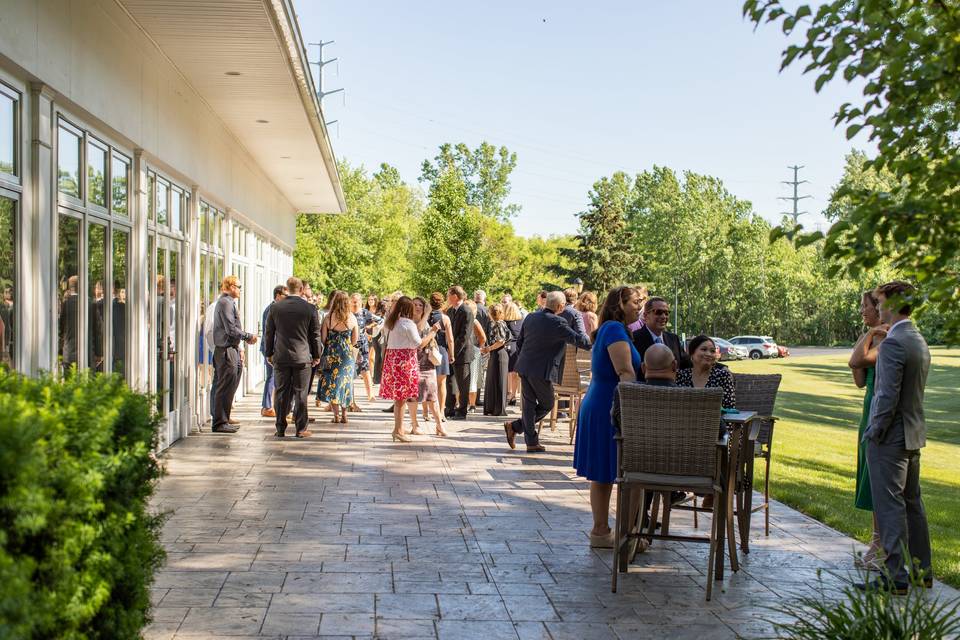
x=388, y=409
x=457, y=416
x=224, y=429
x=886, y=585
x=536, y=448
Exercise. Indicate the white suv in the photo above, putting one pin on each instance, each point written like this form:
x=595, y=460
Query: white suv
x=757, y=346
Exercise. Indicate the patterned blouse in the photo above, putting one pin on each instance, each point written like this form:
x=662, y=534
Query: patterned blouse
x=498, y=332
x=720, y=376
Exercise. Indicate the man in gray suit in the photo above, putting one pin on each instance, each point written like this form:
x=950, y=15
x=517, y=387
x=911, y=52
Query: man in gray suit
x=894, y=437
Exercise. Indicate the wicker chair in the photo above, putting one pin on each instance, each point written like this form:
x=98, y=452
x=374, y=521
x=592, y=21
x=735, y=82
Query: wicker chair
x=668, y=442
x=757, y=393
x=571, y=388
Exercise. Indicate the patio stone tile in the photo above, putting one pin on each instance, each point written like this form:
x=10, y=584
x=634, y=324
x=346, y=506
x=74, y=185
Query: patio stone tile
x=583, y=631
x=222, y=621
x=471, y=630
x=354, y=624
x=190, y=598
x=406, y=606
x=255, y=581
x=322, y=603
x=285, y=624
x=472, y=608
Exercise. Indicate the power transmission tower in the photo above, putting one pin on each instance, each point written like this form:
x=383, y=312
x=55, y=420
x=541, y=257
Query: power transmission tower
x=795, y=214
x=320, y=64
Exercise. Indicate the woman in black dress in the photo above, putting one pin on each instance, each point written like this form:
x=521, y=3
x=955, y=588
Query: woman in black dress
x=513, y=320
x=365, y=318
x=376, y=340
x=495, y=390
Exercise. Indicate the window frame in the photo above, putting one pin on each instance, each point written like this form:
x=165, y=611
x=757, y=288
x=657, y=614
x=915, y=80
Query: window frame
x=17, y=97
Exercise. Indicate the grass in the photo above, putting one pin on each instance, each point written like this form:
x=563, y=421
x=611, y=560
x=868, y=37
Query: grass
x=815, y=444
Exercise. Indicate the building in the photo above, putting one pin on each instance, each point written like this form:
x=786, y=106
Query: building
x=148, y=148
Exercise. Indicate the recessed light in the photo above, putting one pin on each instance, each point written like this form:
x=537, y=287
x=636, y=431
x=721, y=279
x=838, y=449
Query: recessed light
x=298, y=178
x=263, y=121
x=308, y=193
x=284, y=157
x=233, y=73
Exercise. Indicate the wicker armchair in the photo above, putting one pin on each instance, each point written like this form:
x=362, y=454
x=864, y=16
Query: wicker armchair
x=571, y=388
x=757, y=393
x=668, y=442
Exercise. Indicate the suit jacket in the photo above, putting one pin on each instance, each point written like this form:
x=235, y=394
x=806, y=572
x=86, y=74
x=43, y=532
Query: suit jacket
x=292, y=336
x=483, y=317
x=461, y=322
x=643, y=340
x=541, y=344
x=896, y=414
x=574, y=317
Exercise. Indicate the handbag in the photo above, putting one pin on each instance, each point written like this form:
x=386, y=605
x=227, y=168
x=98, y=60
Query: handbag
x=354, y=352
x=433, y=353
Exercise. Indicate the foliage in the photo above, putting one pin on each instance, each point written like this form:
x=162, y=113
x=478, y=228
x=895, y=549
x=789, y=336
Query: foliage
x=484, y=171
x=603, y=255
x=368, y=248
x=867, y=615
x=907, y=57
x=78, y=547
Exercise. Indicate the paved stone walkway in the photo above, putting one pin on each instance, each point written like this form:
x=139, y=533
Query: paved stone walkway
x=348, y=534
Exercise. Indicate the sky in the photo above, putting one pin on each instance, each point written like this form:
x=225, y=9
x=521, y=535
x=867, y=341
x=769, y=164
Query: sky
x=579, y=90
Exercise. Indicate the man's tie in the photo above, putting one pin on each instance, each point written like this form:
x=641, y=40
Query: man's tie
x=657, y=340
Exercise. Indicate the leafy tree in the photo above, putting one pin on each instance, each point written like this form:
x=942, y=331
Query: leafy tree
x=907, y=55
x=484, y=171
x=603, y=257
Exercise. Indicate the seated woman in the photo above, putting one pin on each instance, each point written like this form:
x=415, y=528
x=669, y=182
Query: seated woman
x=707, y=372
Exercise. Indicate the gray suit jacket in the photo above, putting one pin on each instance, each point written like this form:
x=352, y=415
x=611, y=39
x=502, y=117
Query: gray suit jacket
x=897, y=409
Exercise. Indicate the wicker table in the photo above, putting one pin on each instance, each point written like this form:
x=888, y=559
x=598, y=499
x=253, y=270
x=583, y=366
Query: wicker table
x=733, y=452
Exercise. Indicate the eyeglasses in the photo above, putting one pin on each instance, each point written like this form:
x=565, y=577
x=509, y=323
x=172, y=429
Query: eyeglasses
x=660, y=312
x=237, y=286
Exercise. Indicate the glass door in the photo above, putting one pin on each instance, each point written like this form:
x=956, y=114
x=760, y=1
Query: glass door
x=166, y=352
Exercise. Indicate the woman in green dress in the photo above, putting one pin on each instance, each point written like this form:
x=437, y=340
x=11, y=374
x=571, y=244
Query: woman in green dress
x=863, y=361
x=340, y=334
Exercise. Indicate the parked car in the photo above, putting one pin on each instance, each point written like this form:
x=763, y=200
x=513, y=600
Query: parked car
x=730, y=351
x=757, y=346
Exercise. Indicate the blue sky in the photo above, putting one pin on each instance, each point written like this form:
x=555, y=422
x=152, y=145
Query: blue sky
x=578, y=90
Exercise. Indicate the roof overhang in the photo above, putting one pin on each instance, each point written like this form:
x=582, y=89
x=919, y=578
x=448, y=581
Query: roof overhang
x=247, y=61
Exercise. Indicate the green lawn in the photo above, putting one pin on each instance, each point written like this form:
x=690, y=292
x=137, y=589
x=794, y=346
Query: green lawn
x=814, y=448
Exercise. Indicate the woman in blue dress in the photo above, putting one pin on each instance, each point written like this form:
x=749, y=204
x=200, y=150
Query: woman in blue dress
x=613, y=359
x=365, y=318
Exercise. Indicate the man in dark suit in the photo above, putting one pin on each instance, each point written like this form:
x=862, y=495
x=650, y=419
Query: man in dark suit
x=269, y=383
x=541, y=344
x=483, y=317
x=292, y=346
x=656, y=314
x=896, y=432
x=458, y=384
x=570, y=313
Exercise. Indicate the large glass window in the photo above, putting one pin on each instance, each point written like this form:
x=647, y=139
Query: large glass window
x=8, y=271
x=68, y=278
x=96, y=173
x=96, y=300
x=120, y=182
x=68, y=161
x=163, y=193
x=151, y=200
x=9, y=104
x=176, y=203
x=121, y=248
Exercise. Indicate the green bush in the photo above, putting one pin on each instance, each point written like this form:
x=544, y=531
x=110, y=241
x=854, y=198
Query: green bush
x=78, y=547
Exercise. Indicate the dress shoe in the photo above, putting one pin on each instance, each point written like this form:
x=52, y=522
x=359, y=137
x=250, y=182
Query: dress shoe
x=268, y=413
x=233, y=422
x=678, y=497
x=458, y=416
x=280, y=434
x=536, y=448
x=224, y=429
x=885, y=585
x=388, y=409
x=304, y=434
x=512, y=402
x=511, y=434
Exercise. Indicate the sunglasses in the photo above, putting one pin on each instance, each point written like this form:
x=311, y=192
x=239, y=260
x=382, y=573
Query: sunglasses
x=660, y=312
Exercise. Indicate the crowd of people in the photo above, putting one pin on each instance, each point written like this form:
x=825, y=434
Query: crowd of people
x=444, y=356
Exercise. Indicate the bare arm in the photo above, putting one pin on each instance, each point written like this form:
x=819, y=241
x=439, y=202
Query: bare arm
x=620, y=356
x=478, y=332
x=447, y=328
x=429, y=336
x=865, y=351
x=860, y=378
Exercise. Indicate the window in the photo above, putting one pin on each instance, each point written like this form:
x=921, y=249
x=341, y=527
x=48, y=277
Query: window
x=68, y=270
x=176, y=202
x=96, y=173
x=121, y=248
x=68, y=161
x=8, y=273
x=96, y=296
x=151, y=200
x=9, y=110
x=163, y=193
x=120, y=183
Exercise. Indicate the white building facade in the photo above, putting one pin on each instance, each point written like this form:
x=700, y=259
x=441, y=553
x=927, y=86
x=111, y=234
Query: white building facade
x=146, y=150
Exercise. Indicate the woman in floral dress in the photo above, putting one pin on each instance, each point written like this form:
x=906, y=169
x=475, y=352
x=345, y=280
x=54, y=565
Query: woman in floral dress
x=401, y=376
x=340, y=334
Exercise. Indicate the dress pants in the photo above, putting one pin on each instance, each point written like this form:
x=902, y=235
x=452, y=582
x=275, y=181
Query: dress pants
x=458, y=382
x=901, y=519
x=536, y=396
x=293, y=385
x=227, y=367
x=269, y=385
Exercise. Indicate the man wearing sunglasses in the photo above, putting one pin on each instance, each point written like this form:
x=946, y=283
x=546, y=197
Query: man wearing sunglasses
x=656, y=314
x=227, y=362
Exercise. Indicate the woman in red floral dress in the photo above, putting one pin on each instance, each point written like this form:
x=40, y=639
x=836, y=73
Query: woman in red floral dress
x=401, y=375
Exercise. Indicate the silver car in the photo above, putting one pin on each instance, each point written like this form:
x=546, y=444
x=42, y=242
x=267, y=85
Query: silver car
x=757, y=346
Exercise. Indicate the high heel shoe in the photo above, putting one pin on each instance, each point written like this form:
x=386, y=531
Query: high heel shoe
x=399, y=437
x=441, y=433
x=416, y=431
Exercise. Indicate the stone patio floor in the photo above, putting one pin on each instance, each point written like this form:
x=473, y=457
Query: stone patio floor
x=349, y=535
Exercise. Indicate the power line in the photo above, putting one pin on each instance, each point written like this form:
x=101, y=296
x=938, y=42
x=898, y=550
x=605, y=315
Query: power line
x=795, y=198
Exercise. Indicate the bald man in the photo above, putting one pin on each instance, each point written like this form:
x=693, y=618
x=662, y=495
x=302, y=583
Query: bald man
x=659, y=366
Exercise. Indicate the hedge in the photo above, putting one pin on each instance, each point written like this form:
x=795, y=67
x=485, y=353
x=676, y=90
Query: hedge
x=78, y=546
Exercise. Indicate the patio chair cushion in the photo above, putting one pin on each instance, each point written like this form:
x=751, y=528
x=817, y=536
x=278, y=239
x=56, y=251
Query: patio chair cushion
x=671, y=482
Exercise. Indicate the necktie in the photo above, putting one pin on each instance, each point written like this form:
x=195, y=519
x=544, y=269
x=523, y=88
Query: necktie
x=657, y=340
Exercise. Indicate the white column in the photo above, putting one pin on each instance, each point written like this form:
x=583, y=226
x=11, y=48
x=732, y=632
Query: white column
x=138, y=300
x=38, y=290
x=191, y=293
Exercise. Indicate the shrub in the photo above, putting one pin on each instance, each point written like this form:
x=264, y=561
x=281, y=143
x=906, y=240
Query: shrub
x=78, y=547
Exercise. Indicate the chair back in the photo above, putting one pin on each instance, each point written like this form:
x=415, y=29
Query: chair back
x=571, y=369
x=669, y=430
x=758, y=392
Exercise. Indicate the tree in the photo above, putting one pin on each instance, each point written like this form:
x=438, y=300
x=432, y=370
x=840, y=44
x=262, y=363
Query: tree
x=602, y=257
x=484, y=171
x=907, y=55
